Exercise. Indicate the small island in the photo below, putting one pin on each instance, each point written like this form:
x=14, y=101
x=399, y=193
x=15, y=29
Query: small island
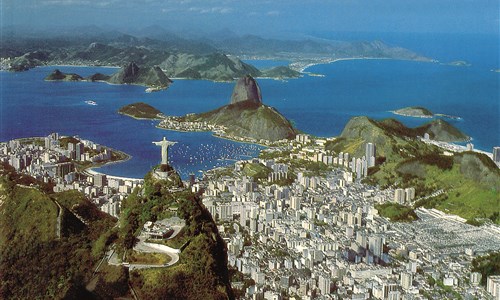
x=141, y=110
x=57, y=75
x=414, y=111
x=153, y=77
x=459, y=63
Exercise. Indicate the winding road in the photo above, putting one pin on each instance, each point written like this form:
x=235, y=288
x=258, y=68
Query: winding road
x=143, y=246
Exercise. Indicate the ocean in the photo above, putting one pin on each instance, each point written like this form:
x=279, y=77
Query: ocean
x=30, y=106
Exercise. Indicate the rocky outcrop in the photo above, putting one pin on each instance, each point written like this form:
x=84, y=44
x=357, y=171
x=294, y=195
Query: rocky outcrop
x=247, y=117
x=132, y=74
x=57, y=75
x=246, y=89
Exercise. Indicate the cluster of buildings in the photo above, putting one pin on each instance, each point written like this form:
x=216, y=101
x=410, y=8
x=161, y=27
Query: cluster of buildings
x=157, y=230
x=314, y=150
x=175, y=123
x=404, y=196
x=48, y=161
x=321, y=237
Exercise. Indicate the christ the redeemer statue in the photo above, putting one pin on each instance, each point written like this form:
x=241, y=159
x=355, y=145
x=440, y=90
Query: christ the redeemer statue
x=164, y=149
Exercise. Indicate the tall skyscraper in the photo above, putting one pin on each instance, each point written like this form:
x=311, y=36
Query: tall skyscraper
x=406, y=280
x=80, y=149
x=376, y=245
x=370, y=154
x=324, y=284
x=496, y=154
x=399, y=196
x=100, y=180
x=493, y=286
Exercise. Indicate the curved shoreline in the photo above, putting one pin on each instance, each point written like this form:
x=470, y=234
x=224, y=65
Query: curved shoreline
x=334, y=60
x=216, y=135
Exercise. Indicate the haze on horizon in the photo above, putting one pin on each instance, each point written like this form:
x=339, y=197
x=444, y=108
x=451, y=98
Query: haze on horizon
x=262, y=17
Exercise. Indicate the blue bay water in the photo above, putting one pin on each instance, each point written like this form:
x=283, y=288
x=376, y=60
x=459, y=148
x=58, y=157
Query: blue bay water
x=320, y=106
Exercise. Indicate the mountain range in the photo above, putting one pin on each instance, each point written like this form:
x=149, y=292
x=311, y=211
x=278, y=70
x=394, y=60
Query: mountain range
x=196, y=58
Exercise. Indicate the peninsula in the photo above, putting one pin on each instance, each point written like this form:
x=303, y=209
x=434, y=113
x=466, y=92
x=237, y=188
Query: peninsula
x=245, y=118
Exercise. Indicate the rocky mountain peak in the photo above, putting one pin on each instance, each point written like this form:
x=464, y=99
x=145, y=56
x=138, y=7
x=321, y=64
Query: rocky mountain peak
x=246, y=88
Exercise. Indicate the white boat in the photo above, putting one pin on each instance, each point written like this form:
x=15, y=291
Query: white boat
x=90, y=102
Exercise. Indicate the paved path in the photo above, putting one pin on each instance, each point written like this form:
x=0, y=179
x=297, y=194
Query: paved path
x=143, y=246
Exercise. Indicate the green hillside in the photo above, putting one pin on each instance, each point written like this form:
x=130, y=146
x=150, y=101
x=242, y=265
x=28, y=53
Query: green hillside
x=470, y=181
x=249, y=119
x=31, y=251
x=280, y=72
x=201, y=272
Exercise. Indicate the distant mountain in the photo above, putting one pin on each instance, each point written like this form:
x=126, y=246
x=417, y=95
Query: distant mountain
x=216, y=66
x=247, y=117
x=197, y=58
x=132, y=74
x=255, y=45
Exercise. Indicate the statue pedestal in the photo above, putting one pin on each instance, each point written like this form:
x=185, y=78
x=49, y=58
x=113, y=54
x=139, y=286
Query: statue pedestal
x=163, y=171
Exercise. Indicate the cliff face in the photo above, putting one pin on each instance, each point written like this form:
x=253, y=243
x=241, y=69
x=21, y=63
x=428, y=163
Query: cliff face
x=246, y=89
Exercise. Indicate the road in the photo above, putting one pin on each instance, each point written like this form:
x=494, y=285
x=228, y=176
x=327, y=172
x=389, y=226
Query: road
x=143, y=246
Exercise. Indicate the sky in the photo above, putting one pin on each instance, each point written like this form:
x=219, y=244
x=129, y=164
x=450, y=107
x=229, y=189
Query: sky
x=262, y=16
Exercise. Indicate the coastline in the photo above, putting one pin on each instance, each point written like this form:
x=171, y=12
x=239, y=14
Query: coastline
x=234, y=139
x=334, y=60
x=412, y=116
x=90, y=170
x=137, y=118
x=456, y=148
